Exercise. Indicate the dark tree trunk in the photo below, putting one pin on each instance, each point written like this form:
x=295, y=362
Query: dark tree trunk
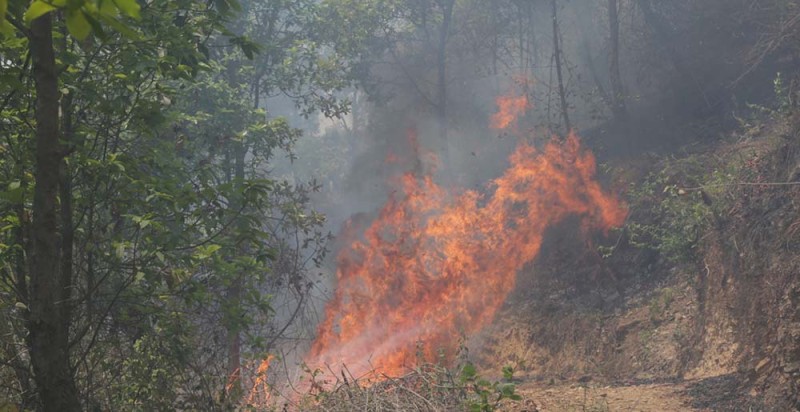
x=617, y=93
x=562, y=92
x=50, y=286
x=447, y=16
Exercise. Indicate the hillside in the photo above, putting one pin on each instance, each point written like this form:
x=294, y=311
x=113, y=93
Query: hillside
x=694, y=299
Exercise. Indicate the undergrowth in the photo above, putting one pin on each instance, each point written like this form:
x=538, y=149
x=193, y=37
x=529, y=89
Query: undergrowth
x=669, y=212
x=428, y=387
x=675, y=205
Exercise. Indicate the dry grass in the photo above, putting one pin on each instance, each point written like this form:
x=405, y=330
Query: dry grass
x=427, y=388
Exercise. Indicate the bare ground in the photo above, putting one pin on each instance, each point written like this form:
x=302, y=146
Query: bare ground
x=718, y=393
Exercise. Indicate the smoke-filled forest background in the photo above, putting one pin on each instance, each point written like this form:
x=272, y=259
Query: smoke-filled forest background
x=233, y=204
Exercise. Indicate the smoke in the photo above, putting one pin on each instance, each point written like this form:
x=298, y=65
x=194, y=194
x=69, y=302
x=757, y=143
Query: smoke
x=491, y=51
x=355, y=159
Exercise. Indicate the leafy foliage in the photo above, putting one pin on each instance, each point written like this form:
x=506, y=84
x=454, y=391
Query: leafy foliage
x=181, y=235
x=679, y=216
x=489, y=394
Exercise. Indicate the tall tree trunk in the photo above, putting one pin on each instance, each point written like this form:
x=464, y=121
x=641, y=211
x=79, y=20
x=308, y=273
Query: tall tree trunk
x=562, y=92
x=234, y=292
x=234, y=298
x=447, y=16
x=617, y=93
x=49, y=319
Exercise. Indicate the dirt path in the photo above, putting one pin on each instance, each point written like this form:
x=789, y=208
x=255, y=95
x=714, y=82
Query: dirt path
x=576, y=397
x=718, y=393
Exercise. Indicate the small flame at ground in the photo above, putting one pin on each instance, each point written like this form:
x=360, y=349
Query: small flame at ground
x=260, y=394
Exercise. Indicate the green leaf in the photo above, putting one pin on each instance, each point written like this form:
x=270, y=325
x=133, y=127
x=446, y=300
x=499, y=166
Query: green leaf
x=129, y=7
x=96, y=27
x=119, y=249
x=235, y=5
x=205, y=252
x=37, y=9
x=6, y=29
x=108, y=8
x=468, y=372
x=120, y=27
x=3, y=9
x=77, y=24
x=14, y=194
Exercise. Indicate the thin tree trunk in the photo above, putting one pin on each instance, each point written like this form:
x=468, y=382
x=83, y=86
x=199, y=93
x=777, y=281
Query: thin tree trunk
x=495, y=41
x=90, y=276
x=617, y=93
x=234, y=298
x=48, y=323
x=447, y=11
x=234, y=292
x=562, y=92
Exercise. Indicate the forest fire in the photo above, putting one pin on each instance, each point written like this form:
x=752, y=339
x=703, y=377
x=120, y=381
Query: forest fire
x=171, y=173
x=434, y=266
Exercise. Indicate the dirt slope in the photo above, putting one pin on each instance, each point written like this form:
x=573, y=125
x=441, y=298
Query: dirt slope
x=640, y=398
x=701, y=315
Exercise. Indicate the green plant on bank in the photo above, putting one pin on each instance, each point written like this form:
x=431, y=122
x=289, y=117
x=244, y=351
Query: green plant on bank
x=667, y=216
x=782, y=92
x=508, y=373
x=673, y=207
x=660, y=303
x=782, y=103
x=487, y=396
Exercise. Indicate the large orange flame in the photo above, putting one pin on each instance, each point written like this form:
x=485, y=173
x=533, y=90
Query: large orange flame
x=435, y=266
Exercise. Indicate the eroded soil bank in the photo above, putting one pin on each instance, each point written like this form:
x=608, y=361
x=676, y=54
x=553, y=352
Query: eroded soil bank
x=692, y=306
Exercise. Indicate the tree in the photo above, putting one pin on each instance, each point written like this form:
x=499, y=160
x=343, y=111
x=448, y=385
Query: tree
x=160, y=229
x=558, y=59
x=446, y=7
x=49, y=300
x=618, y=106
